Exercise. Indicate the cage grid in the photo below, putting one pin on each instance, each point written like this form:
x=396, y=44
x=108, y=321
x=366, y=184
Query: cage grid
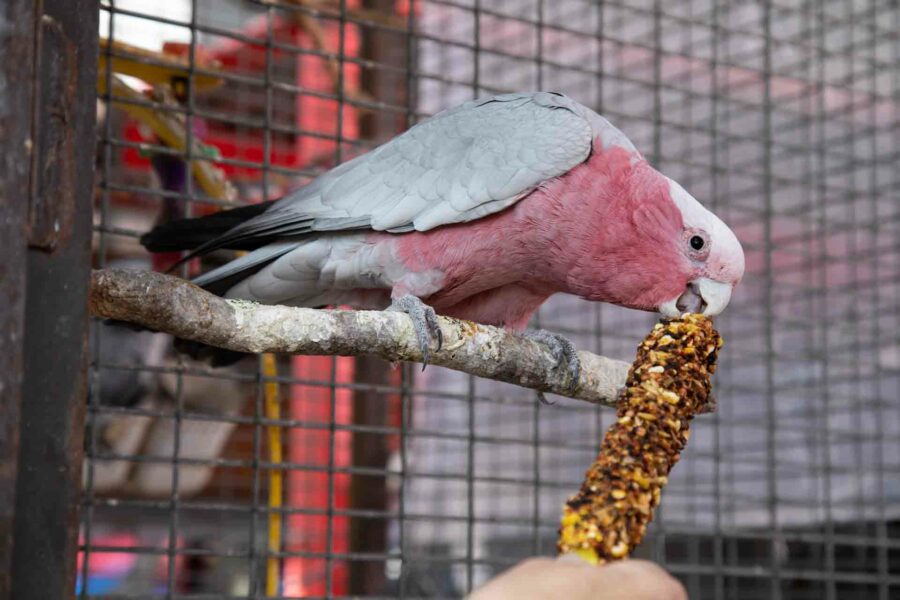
x=780, y=116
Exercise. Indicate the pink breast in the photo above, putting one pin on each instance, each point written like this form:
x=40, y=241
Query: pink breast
x=491, y=269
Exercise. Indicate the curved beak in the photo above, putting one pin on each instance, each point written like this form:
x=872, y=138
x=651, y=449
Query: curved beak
x=702, y=295
x=715, y=294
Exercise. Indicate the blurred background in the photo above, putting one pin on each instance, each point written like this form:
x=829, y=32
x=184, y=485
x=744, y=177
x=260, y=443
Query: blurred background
x=330, y=477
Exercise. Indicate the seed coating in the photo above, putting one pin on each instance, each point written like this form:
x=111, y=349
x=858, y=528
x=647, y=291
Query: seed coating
x=666, y=387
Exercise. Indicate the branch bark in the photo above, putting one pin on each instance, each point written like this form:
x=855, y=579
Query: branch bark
x=175, y=306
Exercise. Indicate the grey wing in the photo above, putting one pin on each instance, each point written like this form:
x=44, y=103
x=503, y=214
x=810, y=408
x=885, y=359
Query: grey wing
x=462, y=164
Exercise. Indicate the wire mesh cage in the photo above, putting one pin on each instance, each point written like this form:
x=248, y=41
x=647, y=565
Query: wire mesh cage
x=331, y=477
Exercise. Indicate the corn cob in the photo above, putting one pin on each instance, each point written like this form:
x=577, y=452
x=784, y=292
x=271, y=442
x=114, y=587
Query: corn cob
x=669, y=383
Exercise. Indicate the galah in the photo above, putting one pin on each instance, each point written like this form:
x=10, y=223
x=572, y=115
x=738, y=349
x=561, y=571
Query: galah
x=481, y=212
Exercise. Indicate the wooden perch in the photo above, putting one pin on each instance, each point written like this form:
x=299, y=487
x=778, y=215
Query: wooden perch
x=175, y=306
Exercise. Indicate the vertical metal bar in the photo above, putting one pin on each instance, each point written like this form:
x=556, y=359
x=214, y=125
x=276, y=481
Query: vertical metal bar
x=470, y=485
x=332, y=462
x=894, y=150
x=178, y=416
x=406, y=398
x=406, y=405
x=56, y=319
x=476, y=49
x=372, y=407
x=658, y=542
x=692, y=581
x=254, y=589
x=16, y=80
x=727, y=441
x=823, y=304
x=91, y=443
x=598, y=306
x=881, y=518
x=768, y=310
x=807, y=230
x=657, y=83
x=368, y=535
x=857, y=440
x=598, y=80
x=536, y=398
x=338, y=158
x=261, y=406
x=717, y=534
x=470, y=390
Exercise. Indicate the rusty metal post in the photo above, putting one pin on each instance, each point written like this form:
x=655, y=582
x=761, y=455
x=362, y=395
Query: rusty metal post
x=58, y=261
x=16, y=76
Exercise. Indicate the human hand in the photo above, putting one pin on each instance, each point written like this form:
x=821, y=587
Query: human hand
x=570, y=578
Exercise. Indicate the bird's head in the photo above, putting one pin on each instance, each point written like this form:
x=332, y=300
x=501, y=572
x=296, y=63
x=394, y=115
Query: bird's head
x=711, y=259
x=652, y=245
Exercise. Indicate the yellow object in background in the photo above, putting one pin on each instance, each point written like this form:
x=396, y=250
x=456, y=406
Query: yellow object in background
x=161, y=72
x=276, y=493
x=155, y=68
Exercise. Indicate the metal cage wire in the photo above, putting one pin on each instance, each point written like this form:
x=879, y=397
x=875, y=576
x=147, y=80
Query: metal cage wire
x=780, y=116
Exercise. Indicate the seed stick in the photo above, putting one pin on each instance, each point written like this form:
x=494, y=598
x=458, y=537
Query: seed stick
x=668, y=384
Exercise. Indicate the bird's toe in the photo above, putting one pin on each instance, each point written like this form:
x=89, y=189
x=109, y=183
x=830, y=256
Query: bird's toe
x=425, y=323
x=574, y=369
x=564, y=353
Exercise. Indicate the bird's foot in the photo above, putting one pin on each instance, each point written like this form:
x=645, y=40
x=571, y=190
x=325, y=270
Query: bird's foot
x=563, y=351
x=424, y=321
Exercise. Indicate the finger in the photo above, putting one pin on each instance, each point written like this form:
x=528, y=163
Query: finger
x=638, y=579
x=543, y=578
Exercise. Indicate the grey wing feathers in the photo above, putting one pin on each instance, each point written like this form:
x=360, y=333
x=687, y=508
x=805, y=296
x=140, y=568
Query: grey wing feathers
x=462, y=164
x=246, y=262
x=484, y=152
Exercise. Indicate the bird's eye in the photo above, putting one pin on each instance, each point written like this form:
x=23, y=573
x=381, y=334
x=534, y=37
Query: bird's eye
x=696, y=243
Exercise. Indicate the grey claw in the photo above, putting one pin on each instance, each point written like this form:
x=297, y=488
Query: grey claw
x=434, y=329
x=424, y=321
x=564, y=352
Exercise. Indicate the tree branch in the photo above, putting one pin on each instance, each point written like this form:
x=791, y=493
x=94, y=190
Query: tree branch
x=177, y=307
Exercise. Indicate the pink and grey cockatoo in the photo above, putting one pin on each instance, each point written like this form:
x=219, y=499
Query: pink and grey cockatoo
x=481, y=212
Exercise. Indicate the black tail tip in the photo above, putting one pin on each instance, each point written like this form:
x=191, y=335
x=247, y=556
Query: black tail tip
x=159, y=239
